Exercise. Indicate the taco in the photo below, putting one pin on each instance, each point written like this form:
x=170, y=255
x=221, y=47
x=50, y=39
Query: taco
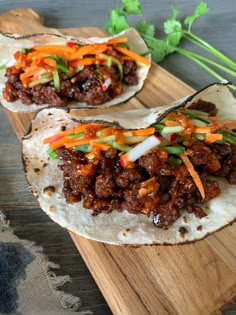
x=154, y=176
x=42, y=70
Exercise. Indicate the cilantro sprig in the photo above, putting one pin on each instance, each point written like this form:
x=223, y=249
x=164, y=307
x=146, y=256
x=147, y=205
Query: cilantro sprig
x=175, y=32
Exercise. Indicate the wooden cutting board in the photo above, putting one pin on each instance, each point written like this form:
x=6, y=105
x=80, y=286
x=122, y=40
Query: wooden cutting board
x=197, y=278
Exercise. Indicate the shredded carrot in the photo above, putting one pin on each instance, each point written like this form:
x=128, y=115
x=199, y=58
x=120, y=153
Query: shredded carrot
x=101, y=146
x=82, y=127
x=133, y=55
x=171, y=123
x=193, y=173
x=119, y=137
x=108, y=131
x=31, y=71
x=58, y=135
x=35, y=55
x=144, y=132
x=59, y=143
x=85, y=61
x=55, y=49
x=212, y=137
x=88, y=50
x=72, y=144
x=117, y=40
x=49, y=61
x=207, y=129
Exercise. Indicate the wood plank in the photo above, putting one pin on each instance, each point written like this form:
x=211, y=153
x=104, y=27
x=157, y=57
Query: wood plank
x=197, y=278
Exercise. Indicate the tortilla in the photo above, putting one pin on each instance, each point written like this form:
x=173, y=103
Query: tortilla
x=45, y=180
x=9, y=44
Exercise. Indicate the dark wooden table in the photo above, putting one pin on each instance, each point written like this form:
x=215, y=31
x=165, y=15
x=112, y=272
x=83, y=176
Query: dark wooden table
x=29, y=222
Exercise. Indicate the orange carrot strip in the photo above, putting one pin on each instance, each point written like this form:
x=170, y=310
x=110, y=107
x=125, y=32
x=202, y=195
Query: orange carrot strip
x=133, y=55
x=101, y=146
x=82, y=127
x=119, y=136
x=49, y=61
x=207, y=129
x=35, y=55
x=108, y=131
x=193, y=173
x=144, y=132
x=92, y=49
x=212, y=137
x=85, y=62
x=58, y=135
x=171, y=123
x=72, y=144
x=59, y=143
x=55, y=49
x=30, y=72
x=75, y=129
x=117, y=40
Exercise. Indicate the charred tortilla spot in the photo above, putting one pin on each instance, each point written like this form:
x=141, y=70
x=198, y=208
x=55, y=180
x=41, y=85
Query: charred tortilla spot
x=45, y=164
x=185, y=219
x=199, y=228
x=127, y=230
x=49, y=190
x=63, y=128
x=37, y=170
x=35, y=193
x=51, y=209
x=50, y=114
x=183, y=231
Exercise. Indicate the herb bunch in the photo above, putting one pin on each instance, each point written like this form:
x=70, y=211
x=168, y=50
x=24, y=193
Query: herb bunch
x=174, y=31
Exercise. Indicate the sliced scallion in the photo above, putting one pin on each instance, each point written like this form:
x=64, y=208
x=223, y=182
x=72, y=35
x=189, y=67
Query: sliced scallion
x=56, y=80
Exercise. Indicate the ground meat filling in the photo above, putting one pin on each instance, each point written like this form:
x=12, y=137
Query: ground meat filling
x=150, y=185
x=85, y=86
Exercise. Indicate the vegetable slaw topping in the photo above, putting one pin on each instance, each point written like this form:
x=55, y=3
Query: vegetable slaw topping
x=174, y=134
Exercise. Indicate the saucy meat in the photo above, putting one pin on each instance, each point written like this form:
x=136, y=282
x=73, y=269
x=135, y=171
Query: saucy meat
x=150, y=185
x=85, y=86
x=159, y=182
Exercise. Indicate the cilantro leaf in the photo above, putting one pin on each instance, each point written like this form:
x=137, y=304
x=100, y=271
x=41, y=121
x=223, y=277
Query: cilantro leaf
x=117, y=23
x=145, y=28
x=200, y=10
x=159, y=48
x=131, y=6
x=173, y=28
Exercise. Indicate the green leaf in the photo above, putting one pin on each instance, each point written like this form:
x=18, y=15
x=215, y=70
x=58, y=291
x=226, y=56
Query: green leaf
x=159, y=48
x=117, y=22
x=173, y=28
x=145, y=28
x=175, y=13
x=131, y=6
x=200, y=10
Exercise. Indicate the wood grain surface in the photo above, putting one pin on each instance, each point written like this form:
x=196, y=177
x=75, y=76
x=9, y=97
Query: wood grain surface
x=198, y=278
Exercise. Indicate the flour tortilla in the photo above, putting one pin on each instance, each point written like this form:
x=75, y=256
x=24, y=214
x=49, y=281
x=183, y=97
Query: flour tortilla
x=10, y=44
x=122, y=227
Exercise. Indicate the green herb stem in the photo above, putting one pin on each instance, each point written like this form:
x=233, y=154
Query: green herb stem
x=207, y=68
x=205, y=59
x=203, y=44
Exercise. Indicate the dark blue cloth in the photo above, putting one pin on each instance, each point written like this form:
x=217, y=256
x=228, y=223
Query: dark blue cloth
x=14, y=259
